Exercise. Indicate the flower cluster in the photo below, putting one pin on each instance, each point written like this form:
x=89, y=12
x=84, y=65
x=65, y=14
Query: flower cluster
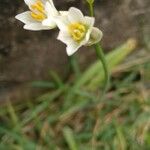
x=76, y=29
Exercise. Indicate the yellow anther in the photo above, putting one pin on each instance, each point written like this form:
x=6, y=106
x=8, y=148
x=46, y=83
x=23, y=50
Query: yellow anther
x=37, y=7
x=37, y=11
x=38, y=17
x=77, y=31
x=40, y=3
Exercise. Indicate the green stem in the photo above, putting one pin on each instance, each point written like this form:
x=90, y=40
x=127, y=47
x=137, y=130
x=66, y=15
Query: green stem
x=100, y=54
x=91, y=9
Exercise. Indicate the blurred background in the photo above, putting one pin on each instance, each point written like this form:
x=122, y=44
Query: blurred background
x=45, y=105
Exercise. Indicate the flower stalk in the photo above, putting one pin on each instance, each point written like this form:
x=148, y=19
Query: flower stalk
x=99, y=51
x=101, y=56
x=91, y=3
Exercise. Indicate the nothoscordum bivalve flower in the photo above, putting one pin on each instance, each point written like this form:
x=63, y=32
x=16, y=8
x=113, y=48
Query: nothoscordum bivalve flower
x=77, y=30
x=41, y=15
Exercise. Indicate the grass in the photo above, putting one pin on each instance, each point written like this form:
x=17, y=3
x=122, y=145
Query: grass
x=71, y=116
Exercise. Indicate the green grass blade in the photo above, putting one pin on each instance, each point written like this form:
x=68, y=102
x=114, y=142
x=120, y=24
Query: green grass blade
x=68, y=134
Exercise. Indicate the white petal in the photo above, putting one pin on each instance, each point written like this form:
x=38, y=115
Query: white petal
x=87, y=37
x=72, y=48
x=95, y=37
x=62, y=22
x=29, y=2
x=75, y=15
x=50, y=9
x=89, y=21
x=52, y=3
x=63, y=13
x=49, y=22
x=25, y=17
x=64, y=37
x=35, y=27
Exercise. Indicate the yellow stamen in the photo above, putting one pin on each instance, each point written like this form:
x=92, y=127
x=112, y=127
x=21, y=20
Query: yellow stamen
x=38, y=11
x=77, y=31
x=38, y=17
x=40, y=3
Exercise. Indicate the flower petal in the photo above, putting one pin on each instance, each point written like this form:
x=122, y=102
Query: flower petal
x=89, y=21
x=50, y=9
x=75, y=15
x=62, y=22
x=72, y=48
x=95, y=37
x=52, y=3
x=35, y=27
x=64, y=37
x=63, y=13
x=87, y=37
x=29, y=2
x=49, y=22
x=25, y=17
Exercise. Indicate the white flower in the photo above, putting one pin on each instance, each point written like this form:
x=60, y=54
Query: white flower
x=77, y=30
x=41, y=15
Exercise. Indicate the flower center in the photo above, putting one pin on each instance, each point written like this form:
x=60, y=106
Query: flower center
x=77, y=31
x=38, y=11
